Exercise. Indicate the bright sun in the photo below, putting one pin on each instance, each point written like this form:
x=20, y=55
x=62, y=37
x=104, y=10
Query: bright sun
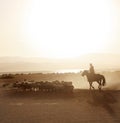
x=68, y=28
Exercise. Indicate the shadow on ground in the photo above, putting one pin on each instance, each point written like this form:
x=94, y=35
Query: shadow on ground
x=104, y=99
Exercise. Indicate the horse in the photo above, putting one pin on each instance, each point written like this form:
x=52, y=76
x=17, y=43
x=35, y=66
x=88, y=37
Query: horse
x=100, y=79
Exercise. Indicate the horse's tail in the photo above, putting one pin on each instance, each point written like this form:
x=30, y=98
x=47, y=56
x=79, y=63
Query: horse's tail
x=104, y=81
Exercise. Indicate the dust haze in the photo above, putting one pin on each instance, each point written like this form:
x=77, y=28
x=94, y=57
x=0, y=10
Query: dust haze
x=106, y=64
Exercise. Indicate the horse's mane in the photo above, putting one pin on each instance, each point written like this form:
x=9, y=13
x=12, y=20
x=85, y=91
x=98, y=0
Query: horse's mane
x=86, y=71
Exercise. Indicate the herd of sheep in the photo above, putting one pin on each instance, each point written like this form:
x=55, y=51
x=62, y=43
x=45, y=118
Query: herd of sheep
x=45, y=86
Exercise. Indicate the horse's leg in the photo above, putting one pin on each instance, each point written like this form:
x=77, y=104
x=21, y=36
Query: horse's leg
x=99, y=85
x=91, y=85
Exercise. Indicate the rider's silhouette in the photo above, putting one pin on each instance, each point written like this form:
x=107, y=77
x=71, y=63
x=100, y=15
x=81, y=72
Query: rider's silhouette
x=91, y=69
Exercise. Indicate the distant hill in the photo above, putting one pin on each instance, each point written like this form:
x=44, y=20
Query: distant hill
x=100, y=61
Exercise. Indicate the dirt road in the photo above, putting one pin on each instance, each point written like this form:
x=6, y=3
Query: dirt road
x=82, y=106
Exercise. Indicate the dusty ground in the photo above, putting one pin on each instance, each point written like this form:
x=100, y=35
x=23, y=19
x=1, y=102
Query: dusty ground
x=83, y=106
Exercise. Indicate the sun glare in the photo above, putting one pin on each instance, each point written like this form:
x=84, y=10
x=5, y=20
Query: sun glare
x=68, y=28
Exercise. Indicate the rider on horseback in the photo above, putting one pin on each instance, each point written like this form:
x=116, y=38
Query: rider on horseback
x=93, y=77
x=91, y=69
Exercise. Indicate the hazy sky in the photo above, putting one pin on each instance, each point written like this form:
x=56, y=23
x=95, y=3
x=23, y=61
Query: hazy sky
x=59, y=28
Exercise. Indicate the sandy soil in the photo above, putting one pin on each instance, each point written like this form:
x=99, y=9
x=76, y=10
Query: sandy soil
x=81, y=106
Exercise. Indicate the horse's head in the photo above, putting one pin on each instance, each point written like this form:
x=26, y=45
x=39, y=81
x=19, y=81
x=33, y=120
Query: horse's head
x=85, y=72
